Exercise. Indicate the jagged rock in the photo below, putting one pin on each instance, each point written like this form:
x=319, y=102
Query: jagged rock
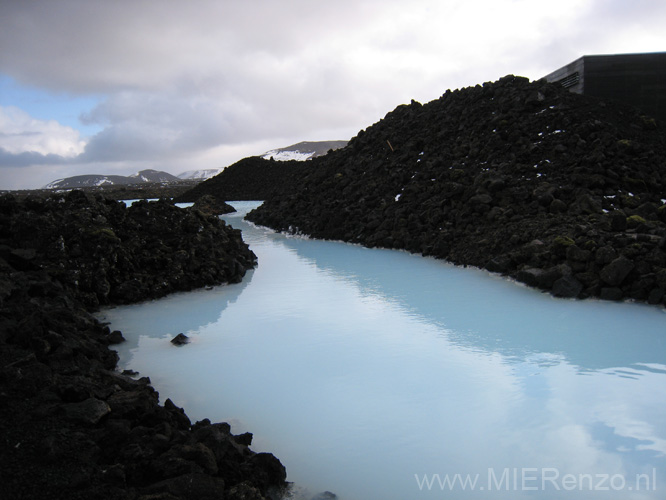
x=180, y=339
x=244, y=491
x=476, y=175
x=208, y=204
x=115, y=337
x=530, y=276
x=250, y=179
x=89, y=411
x=267, y=470
x=132, y=404
x=567, y=286
x=611, y=293
x=111, y=253
x=75, y=427
x=614, y=273
x=245, y=439
x=199, y=454
x=191, y=486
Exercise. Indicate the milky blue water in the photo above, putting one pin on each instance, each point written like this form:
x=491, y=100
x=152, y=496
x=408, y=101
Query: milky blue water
x=377, y=374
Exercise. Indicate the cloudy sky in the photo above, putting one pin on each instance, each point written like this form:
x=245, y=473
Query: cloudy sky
x=113, y=87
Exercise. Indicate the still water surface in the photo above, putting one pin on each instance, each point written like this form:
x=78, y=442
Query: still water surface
x=378, y=374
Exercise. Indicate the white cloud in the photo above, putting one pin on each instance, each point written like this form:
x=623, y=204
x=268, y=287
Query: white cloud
x=20, y=133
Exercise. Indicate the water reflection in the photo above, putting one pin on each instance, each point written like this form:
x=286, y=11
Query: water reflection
x=201, y=308
x=365, y=370
x=591, y=334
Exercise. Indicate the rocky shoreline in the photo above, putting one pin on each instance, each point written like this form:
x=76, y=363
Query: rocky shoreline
x=560, y=191
x=71, y=425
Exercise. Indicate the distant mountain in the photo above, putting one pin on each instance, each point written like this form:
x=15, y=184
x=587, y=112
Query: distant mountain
x=93, y=180
x=150, y=175
x=303, y=150
x=89, y=180
x=200, y=174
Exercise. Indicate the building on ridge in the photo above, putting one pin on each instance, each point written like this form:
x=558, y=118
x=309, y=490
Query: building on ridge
x=635, y=79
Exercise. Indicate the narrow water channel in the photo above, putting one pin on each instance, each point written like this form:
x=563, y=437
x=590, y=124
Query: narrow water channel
x=377, y=374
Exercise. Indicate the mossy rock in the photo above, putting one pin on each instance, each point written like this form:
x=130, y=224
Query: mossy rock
x=661, y=213
x=629, y=201
x=633, y=221
x=590, y=245
x=104, y=233
x=648, y=122
x=561, y=243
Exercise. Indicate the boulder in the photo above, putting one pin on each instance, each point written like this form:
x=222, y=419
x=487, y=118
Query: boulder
x=244, y=491
x=115, y=337
x=616, y=271
x=90, y=411
x=208, y=204
x=180, y=339
x=567, y=286
x=190, y=486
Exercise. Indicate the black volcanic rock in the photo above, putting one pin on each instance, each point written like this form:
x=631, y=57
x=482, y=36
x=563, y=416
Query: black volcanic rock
x=102, y=252
x=180, y=339
x=252, y=178
x=211, y=205
x=71, y=426
x=526, y=179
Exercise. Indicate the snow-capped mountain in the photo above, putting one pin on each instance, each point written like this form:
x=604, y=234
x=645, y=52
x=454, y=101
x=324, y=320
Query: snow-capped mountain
x=93, y=180
x=303, y=150
x=200, y=174
x=151, y=175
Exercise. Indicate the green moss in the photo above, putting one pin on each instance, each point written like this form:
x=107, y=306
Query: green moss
x=635, y=221
x=629, y=201
x=649, y=123
x=563, y=241
x=590, y=245
x=104, y=233
x=661, y=213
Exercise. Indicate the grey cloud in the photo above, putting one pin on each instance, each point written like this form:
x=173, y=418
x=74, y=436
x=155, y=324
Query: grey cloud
x=25, y=159
x=160, y=124
x=20, y=134
x=181, y=79
x=100, y=46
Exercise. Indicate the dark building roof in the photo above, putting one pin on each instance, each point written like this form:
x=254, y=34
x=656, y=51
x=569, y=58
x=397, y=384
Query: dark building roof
x=636, y=79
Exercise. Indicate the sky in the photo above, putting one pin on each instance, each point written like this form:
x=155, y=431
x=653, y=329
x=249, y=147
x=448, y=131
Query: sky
x=114, y=87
